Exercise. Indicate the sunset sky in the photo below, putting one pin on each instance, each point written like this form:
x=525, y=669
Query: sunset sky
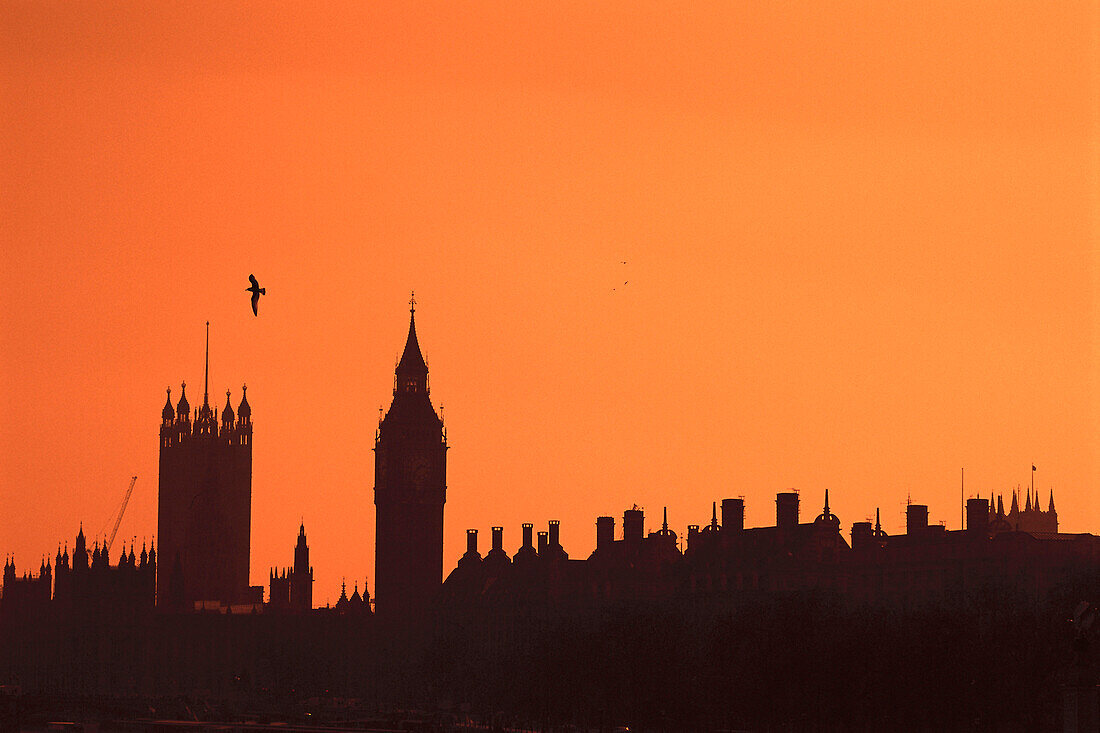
x=860, y=246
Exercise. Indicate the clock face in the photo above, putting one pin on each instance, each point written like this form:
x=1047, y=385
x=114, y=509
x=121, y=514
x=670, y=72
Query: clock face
x=417, y=473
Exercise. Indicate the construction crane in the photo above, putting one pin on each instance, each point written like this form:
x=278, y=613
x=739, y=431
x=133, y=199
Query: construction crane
x=118, y=521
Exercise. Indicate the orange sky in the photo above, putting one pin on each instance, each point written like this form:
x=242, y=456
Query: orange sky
x=861, y=245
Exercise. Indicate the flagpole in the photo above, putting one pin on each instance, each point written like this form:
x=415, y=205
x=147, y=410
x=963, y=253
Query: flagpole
x=962, y=498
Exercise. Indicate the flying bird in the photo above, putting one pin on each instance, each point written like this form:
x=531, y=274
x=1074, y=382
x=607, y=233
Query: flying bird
x=256, y=291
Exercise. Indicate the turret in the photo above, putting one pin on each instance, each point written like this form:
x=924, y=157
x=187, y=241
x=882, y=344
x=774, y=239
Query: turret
x=168, y=414
x=227, y=413
x=183, y=409
x=80, y=553
x=244, y=410
x=301, y=583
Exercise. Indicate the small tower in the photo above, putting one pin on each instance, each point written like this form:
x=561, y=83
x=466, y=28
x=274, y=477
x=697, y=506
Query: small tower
x=301, y=580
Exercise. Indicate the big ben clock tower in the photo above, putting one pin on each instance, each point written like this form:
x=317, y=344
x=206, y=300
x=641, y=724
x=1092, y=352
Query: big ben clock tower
x=410, y=487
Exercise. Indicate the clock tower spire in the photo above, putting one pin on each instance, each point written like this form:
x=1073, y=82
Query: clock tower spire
x=410, y=487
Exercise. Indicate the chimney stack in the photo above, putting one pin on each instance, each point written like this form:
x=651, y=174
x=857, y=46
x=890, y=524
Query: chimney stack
x=786, y=509
x=498, y=538
x=528, y=528
x=916, y=518
x=605, y=532
x=543, y=542
x=733, y=515
x=861, y=535
x=554, y=538
x=977, y=516
x=471, y=542
x=633, y=524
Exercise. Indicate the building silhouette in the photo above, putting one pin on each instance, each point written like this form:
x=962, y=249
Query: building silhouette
x=292, y=588
x=204, y=509
x=1028, y=519
x=410, y=488
x=664, y=621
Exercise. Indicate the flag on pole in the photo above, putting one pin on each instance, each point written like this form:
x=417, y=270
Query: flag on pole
x=1032, y=467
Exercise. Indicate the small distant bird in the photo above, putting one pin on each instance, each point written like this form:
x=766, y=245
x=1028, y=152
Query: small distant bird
x=256, y=291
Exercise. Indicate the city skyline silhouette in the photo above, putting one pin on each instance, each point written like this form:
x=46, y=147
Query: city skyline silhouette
x=859, y=261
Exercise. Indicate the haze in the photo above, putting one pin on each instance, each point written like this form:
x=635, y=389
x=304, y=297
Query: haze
x=860, y=247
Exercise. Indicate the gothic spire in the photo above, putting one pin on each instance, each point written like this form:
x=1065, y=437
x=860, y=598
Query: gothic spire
x=1050, y=506
x=183, y=409
x=244, y=410
x=206, y=371
x=412, y=361
x=168, y=413
x=227, y=413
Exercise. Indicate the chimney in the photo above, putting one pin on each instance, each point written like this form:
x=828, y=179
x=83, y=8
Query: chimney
x=527, y=529
x=861, y=535
x=471, y=542
x=977, y=516
x=633, y=522
x=554, y=536
x=786, y=509
x=733, y=514
x=916, y=518
x=605, y=532
x=543, y=542
x=498, y=538
x=693, y=533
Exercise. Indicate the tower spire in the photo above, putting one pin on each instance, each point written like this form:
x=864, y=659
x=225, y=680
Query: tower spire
x=411, y=358
x=206, y=370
